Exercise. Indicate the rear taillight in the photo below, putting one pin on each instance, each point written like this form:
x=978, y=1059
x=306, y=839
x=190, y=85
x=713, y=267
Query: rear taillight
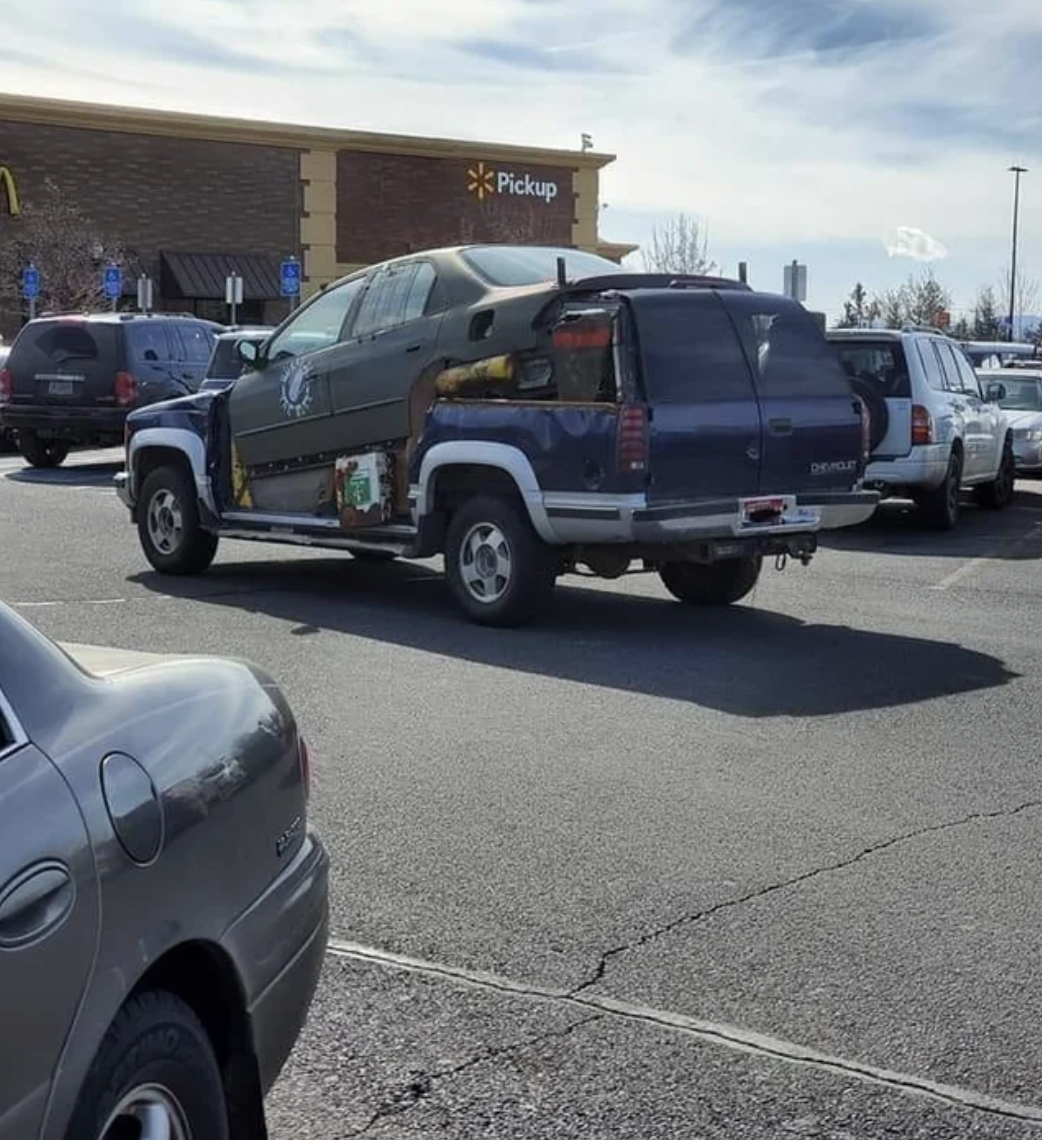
x=126, y=389
x=922, y=425
x=305, y=767
x=633, y=437
x=866, y=430
x=6, y=385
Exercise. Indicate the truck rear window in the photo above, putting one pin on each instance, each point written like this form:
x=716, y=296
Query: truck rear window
x=881, y=363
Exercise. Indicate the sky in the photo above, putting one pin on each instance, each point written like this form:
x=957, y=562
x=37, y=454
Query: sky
x=868, y=139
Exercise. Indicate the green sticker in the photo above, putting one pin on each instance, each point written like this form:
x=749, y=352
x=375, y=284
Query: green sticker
x=358, y=491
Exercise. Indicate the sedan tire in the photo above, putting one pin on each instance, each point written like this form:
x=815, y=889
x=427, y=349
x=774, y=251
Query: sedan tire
x=155, y=1075
x=499, y=570
x=168, y=524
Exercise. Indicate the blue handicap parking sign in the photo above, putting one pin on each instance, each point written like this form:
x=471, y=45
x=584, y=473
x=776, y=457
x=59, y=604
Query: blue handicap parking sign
x=113, y=281
x=290, y=278
x=30, y=283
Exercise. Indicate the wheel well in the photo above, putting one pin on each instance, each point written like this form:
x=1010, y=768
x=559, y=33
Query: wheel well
x=203, y=976
x=150, y=458
x=454, y=484
x=957, y=447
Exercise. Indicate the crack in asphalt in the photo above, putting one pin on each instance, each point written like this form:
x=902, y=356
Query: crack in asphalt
x=607, y=956
x=422, y=1084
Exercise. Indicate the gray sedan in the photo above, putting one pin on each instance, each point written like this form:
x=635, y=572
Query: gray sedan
x=163, y=902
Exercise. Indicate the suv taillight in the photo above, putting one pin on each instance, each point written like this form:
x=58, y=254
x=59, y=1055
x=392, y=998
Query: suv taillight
x=922, y=425
x=633, y=437
x=305, y=766
x=126, y=389
x=6, y=385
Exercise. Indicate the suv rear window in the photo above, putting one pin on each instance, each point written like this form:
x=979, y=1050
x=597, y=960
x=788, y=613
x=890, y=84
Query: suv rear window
x=881, y=363
x=92, y=347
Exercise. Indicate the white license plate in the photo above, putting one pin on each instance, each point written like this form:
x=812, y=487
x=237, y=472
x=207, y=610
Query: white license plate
x=60, y=388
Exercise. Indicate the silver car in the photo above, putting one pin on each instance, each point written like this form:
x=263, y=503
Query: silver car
x=163, y=902
x=1022, y=404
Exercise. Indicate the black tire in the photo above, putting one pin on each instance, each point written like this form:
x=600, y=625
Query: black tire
x=716, y=584
x=155, y=1043
x=940, y=507
x=39, y=452
x=517, y=589
x=175, y=543
x=998, y=494
x=878, y=412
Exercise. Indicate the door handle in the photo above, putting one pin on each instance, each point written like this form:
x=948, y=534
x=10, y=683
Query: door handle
x=34, y=902
x=780, y=426
x=415, y=347
x=753, y=452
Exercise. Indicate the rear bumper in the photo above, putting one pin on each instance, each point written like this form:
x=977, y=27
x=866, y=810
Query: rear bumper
x=279, y=946
x=86, y=424
x=925, y=467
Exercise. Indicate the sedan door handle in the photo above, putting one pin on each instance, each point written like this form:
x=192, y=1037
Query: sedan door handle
x=780, y=427
x=415, y=347
x=34, y=902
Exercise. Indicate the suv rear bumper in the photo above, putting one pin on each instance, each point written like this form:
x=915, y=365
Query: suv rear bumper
x=87, y=424
x=924, y=467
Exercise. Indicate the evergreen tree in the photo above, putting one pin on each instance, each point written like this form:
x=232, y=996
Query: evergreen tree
x=858, y=311
x=987, y=325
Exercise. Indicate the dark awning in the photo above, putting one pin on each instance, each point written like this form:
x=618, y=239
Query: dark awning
x=202, y=276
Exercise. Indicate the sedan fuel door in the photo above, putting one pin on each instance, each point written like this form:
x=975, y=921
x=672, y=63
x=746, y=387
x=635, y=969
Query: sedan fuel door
x=48, y=923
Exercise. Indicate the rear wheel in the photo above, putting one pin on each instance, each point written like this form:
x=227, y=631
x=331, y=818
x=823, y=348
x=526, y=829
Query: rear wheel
x=717, y=584
x=998, y=494
x=940, y=507
x=168, y=524
x=499, y=571
x=42, y=452
x=154, y=1078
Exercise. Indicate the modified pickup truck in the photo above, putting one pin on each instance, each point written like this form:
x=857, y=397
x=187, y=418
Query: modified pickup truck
x=525, y=412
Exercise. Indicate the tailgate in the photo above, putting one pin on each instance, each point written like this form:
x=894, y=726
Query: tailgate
x=812, y=430
x=66, y=363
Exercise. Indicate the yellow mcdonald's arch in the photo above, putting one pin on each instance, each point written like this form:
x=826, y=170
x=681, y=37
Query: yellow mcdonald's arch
x=9, y=189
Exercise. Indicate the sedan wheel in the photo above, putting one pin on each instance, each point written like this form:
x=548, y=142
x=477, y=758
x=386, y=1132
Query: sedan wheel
x=148, y=1113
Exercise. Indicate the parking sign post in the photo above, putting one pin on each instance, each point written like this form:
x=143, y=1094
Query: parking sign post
x=233, y=293
x=795, y=285
x=31, y=287
x=112, y=284
x=290, y=279
x=144, y=293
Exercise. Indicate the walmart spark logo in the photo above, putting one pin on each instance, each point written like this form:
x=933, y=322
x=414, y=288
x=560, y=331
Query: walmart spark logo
x=481, y=181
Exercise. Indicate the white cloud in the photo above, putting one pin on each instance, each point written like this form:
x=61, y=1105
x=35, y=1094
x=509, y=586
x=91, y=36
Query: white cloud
x=916, y=244
x=779, y=152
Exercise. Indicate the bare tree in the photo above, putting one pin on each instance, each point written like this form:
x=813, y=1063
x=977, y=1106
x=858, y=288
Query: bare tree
x=510, y=223
x=67, y=246
x=858, y=311
x=678, y=246
x=892, y=306
x=1027, y=293
x=920, y=300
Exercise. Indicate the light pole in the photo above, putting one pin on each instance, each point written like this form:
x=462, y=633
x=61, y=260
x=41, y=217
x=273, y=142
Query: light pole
x=1016, y=171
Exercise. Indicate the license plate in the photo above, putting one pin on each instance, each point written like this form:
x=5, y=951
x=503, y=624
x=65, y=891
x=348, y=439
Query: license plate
x=59, y=388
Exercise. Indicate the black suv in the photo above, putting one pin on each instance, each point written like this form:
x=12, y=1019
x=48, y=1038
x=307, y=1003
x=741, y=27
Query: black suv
x=71, y=380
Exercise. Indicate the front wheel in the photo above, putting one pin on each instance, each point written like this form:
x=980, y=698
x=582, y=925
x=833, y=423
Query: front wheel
x=998, y=494
x=498, y=569
x=168, y=524
x=716, y=584
x=155, y=1075
x=39, y=452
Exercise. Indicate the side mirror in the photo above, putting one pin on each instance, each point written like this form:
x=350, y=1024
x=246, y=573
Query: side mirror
x=248, y=351
x=995, y=392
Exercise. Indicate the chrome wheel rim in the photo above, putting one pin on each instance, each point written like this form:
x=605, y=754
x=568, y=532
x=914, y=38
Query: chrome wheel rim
x=165, y=523
x=149, y=1112
x=485, y=563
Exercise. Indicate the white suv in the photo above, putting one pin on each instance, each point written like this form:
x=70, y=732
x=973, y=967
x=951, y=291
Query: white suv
x=934, y=432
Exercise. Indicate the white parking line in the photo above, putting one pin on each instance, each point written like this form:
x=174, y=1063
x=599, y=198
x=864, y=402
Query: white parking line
x=709, y=1032
x=1001, y=553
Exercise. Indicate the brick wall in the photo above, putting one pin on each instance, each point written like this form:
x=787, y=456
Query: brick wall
x=388, y=205
x=152, y=193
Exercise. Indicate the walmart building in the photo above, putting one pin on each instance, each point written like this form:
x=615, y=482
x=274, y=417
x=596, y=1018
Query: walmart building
x=190, y=198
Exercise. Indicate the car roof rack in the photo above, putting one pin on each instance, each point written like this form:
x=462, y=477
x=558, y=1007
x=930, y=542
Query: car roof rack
x=926, y=329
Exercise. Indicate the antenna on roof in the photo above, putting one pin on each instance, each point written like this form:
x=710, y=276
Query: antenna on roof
x=562, y=272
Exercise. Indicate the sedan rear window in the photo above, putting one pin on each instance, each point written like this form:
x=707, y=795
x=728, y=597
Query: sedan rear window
x=881, y=363
x=532, y=265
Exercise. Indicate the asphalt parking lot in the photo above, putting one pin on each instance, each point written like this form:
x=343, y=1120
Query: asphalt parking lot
x=643, y=871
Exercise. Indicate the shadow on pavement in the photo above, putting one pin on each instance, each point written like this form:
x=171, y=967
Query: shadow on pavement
x=896, y=528
x=742, y=660
x=71, y=474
